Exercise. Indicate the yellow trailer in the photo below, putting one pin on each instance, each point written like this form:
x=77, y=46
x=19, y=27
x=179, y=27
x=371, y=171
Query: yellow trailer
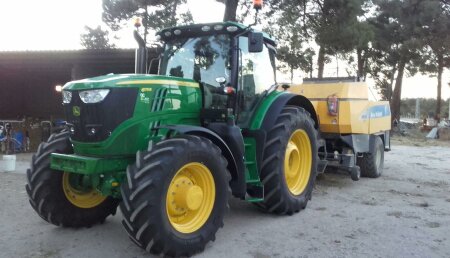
x=355, y=130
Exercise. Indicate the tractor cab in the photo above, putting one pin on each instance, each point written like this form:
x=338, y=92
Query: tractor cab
x=233, y=65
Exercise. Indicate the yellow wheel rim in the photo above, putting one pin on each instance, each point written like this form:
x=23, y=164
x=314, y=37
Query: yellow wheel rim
x=190, y=197
x=297, y=162
x=80, y=198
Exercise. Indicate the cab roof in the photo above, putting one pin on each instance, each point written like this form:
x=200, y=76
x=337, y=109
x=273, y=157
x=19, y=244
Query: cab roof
x=200, y=29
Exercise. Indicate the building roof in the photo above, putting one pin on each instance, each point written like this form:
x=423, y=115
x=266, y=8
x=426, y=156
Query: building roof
x=85, y=56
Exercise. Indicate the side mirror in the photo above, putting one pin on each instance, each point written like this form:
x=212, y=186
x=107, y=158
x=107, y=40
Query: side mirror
x=255, y=42
x=221, y=81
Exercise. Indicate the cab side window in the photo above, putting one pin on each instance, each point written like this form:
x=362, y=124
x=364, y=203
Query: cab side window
x=256, y=75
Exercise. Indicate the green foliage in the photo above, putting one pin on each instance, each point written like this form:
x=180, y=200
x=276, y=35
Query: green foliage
x=395, y=46
x=95, y=38
x=427, y=107
x=339, y=29
x=290, y=27
x=155, y=14
x=337, y=26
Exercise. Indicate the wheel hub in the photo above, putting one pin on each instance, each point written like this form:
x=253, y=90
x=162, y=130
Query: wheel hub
x=190, y=197
x=293, y=162
x=297, y=162
x=186, y=195
x=81, y=197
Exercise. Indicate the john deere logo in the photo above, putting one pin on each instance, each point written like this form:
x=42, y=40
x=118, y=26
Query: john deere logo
x=76, y=110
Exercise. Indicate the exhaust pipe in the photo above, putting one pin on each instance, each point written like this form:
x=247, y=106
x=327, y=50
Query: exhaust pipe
x=140, y=65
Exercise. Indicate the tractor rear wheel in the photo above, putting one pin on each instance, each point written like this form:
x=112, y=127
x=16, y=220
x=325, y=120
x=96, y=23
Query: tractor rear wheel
x=176, y=196
x=289, y=166
x=372, y=163
x=56, y=197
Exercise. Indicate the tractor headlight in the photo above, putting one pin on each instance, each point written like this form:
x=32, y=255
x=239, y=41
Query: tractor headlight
x=93, y=96
x=67, y=96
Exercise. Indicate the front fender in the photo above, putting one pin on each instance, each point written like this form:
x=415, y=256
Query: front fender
x=236, y=164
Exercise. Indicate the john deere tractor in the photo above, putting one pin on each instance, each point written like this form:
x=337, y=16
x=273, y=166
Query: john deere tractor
x=171, y=148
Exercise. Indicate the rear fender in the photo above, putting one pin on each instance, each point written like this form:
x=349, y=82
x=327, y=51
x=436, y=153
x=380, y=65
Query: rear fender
x=272, y=108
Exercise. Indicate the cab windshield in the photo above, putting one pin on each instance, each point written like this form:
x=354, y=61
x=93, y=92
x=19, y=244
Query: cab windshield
x=203, y=59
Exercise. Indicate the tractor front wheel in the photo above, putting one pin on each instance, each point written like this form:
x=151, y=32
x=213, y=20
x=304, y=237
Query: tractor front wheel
x=57, y=196
x=176, y=196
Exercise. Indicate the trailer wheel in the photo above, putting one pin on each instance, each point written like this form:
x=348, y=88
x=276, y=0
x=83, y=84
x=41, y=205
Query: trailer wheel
x=54, y=195
x=176, y=196
x=289, y=166
x=372, y=163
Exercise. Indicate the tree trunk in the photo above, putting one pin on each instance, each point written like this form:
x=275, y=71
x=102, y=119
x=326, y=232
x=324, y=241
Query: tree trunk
x=391, y=84
x=439, y=86
x=360, y=64
x=230, y=10
x=397, y=95
x=321, y=62
x=146, y=21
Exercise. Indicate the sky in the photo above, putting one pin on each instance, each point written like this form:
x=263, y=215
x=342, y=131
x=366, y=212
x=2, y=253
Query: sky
x=57, y=25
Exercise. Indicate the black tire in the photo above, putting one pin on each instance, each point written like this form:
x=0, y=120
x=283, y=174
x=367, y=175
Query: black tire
x=45, y=189
x=277, y=197
x=368, y=162
x=144, y=195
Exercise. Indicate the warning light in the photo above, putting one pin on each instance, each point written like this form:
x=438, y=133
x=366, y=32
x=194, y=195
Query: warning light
x=257, y=4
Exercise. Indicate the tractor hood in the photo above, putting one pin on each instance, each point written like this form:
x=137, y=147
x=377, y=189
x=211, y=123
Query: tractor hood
x=127, y=80
x=103, y=112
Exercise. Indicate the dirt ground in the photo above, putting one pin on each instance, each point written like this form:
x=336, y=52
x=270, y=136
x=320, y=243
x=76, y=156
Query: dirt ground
x=405, y=213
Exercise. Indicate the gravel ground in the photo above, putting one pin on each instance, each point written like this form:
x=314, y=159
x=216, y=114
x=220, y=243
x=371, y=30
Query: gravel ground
x=405, y=213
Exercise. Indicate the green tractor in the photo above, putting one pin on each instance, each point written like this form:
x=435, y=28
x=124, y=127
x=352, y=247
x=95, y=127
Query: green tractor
x=171, y=148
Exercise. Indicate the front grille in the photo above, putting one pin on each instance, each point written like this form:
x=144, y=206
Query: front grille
x=102, y=117
x=157, y=105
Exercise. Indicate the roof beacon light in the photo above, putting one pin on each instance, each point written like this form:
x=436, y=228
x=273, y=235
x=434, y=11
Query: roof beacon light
x=137, y=22
x=257, y=4
x=206, y=28
x=218, y=27
x=177, y=32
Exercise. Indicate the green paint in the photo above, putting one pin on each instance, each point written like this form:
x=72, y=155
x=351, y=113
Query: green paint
x=261, y=112
x=181, y=105
x=109, y=184
x=88, y=165
x=251, y=171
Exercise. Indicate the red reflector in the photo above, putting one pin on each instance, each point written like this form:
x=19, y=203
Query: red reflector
x=332, y=102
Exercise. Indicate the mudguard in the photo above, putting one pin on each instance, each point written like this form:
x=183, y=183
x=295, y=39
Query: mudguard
x=235, y=160
x=276, y=106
